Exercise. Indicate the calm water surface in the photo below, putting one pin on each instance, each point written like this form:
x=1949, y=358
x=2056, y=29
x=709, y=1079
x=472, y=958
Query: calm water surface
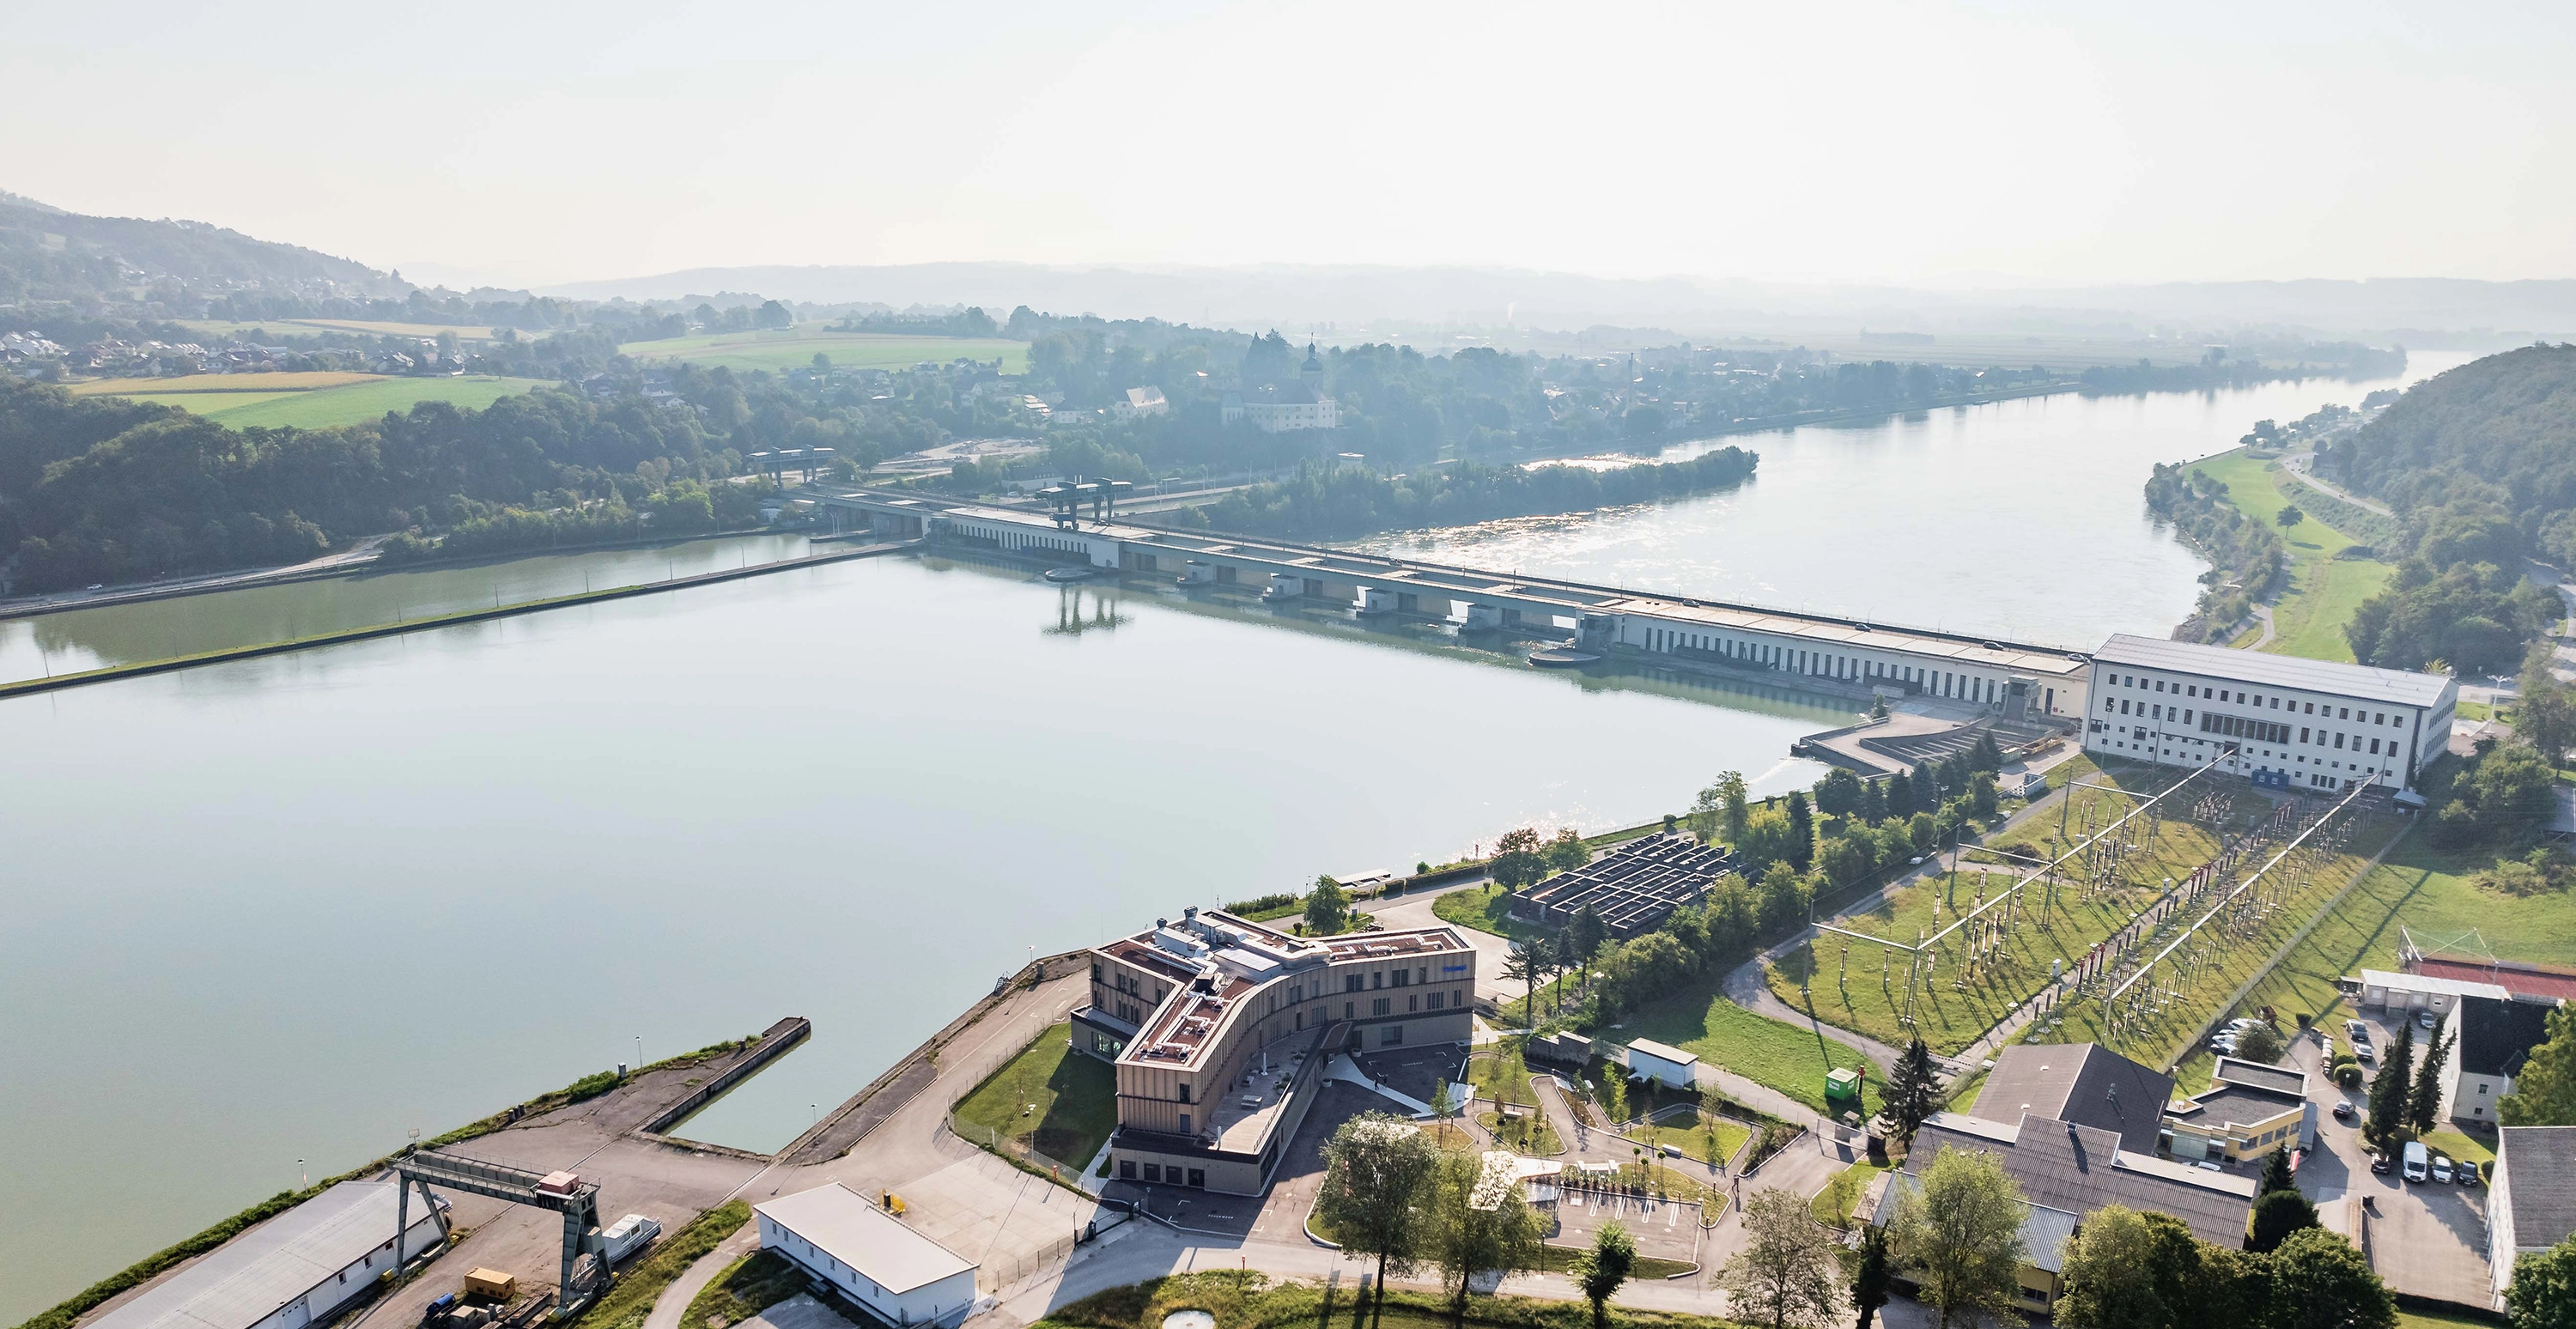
x=297, y=907
x=2023, y=519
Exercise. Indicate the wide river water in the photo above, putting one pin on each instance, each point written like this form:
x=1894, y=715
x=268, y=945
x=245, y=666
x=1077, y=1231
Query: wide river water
x=295, y=908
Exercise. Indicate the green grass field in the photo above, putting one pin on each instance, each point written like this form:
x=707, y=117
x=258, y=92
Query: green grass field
x=1833, y=1205
x=747, y=1287
x=1952, y=1013
x=321, y=408
x=1050, y=1099
x=2323, y=590
x=794, y=348
x=1483, y=908
x=1523, y=1133
x=2429, y=892
x=1689, y=1136
x=1766, y=1051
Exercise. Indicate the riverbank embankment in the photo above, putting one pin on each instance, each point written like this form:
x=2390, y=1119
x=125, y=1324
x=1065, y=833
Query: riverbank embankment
x=141, y=668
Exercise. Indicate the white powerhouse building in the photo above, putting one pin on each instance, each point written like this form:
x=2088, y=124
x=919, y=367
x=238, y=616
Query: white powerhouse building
x=2292, y=723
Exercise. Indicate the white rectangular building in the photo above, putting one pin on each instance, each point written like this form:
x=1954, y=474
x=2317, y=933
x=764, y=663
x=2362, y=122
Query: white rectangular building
x=302, y=1267
x=2532, y=1205
x=869, y=1256
x=2276, y=719
x=1663, y=1063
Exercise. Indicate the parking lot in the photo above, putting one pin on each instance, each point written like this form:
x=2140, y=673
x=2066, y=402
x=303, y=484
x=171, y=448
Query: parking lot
x=2426, y=1239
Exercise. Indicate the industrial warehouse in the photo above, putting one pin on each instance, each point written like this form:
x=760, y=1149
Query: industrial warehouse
x=302, y=1267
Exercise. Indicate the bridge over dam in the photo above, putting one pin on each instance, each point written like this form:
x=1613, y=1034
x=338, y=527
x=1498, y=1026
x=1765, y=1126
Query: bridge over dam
x=2008, y=678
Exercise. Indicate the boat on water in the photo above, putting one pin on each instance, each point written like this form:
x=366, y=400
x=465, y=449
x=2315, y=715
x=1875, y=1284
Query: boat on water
x=1563, y=655
x=1068, y=574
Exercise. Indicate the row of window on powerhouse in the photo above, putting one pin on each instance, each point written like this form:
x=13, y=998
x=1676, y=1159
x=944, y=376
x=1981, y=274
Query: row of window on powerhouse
x=2260, y=700
x=1938, y=682
x=2148, y=746
x=2264, y=731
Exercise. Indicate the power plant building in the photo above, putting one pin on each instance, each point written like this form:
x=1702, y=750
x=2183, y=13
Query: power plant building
x=2278, y=720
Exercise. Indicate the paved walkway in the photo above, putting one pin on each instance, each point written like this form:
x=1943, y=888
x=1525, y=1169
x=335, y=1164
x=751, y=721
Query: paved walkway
x=2263, y=613
x=675, y=1299
x=2299, y=465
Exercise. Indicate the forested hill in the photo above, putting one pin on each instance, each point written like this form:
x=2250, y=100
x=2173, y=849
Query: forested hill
x=2480, y=466
x=2484, y=454
x=50, y=255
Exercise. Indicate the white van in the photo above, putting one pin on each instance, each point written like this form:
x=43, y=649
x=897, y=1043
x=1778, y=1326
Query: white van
x=2419, y=1161
x=628, y=1233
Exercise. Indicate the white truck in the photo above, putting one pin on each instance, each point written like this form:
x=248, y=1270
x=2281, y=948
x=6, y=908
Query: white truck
x=629, y=1235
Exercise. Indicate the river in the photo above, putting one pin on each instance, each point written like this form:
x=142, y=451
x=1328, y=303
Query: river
x=1970, y=518
x=297, y=907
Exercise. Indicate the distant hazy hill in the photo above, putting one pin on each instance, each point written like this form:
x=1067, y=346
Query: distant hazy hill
x=1359, y=297
x=49, y=254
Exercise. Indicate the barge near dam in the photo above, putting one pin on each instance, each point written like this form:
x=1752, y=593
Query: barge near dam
x=2022, y=682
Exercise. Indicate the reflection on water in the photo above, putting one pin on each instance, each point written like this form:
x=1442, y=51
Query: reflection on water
x=71, y=640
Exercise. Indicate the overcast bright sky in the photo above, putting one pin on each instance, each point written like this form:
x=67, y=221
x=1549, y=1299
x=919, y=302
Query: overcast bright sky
x=1970, y=144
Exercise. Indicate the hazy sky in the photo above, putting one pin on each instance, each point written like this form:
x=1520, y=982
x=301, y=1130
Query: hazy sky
x=1968, y=144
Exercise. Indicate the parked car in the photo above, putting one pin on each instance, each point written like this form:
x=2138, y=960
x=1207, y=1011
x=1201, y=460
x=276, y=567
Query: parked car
x=2419, y=1161
x=2472, y=1174
x=2442, y=1168
x=2207, y=1166
x=2379, y=1164
x=2356, y=1031
x=2343, y=1110
x=2424, y=1019
x=2248, y=1022
x=2361, y=1052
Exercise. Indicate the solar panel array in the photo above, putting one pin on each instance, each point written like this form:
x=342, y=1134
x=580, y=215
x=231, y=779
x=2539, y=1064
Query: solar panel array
x=1634, y=887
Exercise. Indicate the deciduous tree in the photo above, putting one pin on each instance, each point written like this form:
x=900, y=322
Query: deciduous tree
x=1328, y=907
x=1517, y=859
x=1786, y=1273
x=1376, y=1170
x=2545, y=1093
x=1959, y=1234
x=2542, y=1294
x=1476, y=1228
x=2316, y=1280
x=1601, y=1270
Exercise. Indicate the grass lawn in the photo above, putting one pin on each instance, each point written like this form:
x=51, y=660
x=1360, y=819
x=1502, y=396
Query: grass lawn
x=2323, y=590
x=1050, y=1099
x=2429, y=892
x=2162, y=1043
x=1560, y=1259
x=1256, y=1301
x=1689, y=1135
x=1482, y=908
x=794, y=348
x=1499, y=1074
x=283, y=381
x=2461, y=1146
x=1951, y=1015
x=747, y=1287
x=1832, y=1206
x=1766, y=1051
x=1526, y=1133
x=2415, y=1319
x=631, y=1298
